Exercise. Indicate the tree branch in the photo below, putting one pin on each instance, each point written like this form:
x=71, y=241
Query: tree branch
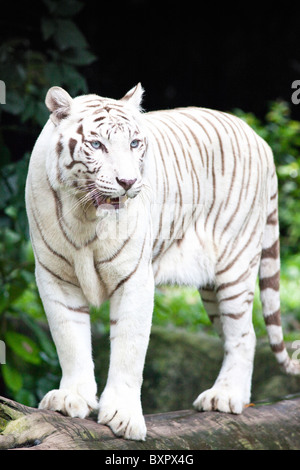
x=264, y=427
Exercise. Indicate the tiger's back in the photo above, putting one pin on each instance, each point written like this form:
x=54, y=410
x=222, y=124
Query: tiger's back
x=212, y=177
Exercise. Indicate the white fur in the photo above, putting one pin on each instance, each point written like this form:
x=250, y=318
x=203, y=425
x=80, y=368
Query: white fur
x=172, y=228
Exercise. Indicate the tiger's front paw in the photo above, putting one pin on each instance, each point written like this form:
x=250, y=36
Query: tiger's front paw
x=123, y=414
x=221, y=399
x=69, y=403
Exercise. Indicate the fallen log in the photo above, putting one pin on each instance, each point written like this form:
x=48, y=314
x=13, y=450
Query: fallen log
x=262, y=427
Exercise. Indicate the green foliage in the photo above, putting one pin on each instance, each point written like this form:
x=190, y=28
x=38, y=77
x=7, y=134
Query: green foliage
x=283, y=135
x=31, y=367
x=29, y=73
x=180, y=306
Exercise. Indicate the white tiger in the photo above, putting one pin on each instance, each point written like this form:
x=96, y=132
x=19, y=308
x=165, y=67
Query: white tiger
x=119, y=200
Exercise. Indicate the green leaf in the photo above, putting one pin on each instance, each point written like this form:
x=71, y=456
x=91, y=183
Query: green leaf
x=16, y=286
x=23, y=346
x=12, y=378
x=11, y=237
x=48, y=348
x=14, y=102
x=75, y=82
x=65, y=8
x=79, y=57
x=25, y=397
x=69, y=7
x=4, y=298
x=5, y=155
x=67, y=36
x=29, y=109
x=47, y=27
x=51, y=5
x=11, y=211
x=28, y=252
x=42, y=114
x=53, y=73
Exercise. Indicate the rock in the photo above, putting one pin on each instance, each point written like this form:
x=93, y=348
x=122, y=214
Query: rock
x=179, y=365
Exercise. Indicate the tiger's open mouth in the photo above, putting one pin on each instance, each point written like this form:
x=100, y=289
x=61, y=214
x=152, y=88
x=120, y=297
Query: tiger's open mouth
x=113, y=202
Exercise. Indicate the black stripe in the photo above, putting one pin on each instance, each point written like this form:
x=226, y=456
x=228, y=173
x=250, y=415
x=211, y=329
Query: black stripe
x=72, y=145
x=214, y=190
x=237, y=257
x=126, y=278
x=220, y=144
x=59, y=215
x=273, y=319
x=271, y=282
x=271, y=252
x=277, y=348
x=81, y=309
x=116, y=254
x=232, y=297
x=242, y=278
x=46, y=243
x=53, y=273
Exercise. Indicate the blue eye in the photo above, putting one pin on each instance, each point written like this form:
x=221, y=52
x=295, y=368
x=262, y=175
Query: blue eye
x=134, y=143
x=96, y=144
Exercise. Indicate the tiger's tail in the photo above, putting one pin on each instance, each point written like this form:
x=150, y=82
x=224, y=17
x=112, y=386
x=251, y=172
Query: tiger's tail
x=269, y=281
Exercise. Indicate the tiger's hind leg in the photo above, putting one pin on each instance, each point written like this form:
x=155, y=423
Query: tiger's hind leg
x=230, y=308
x=210, y=302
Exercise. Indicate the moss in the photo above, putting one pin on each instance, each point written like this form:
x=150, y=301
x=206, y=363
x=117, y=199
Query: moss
x=245, y=444
x=8, y=416
x=3, y=423
x=16, y=427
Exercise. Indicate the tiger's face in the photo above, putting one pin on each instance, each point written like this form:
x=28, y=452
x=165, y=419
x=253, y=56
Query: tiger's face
x=100, y=145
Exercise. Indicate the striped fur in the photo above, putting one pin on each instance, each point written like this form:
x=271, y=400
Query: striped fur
x=119, y=201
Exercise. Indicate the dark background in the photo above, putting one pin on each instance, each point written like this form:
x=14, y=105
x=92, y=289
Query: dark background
x=183, y=52
x=194, y=53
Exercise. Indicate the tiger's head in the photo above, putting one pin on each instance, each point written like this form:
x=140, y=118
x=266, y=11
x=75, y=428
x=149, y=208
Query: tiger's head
x=98, y=145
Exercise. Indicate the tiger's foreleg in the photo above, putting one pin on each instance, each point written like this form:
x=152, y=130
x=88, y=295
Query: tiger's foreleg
x=230, y=306
x=130, y=323
x=68, y=316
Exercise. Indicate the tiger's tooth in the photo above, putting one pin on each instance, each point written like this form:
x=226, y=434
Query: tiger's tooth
x=108, y=200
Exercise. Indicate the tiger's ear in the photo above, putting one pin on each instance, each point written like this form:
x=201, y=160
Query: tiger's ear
x=58, y=101
x=134, y=96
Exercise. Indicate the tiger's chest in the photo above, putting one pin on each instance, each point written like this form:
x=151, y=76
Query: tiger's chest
x=96, y=252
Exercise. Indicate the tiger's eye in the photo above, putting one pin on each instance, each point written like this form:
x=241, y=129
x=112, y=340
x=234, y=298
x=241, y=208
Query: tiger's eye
x=134, y=143
x=96, y=144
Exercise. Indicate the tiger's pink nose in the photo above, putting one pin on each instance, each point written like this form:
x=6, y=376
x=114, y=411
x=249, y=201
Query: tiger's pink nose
x=126, y=184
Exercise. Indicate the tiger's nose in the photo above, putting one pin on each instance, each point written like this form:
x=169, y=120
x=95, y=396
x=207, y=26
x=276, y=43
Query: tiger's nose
x=126, y=184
